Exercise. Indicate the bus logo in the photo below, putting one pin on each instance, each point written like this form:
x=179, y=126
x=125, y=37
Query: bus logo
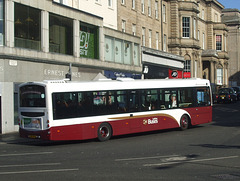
x=150, y=121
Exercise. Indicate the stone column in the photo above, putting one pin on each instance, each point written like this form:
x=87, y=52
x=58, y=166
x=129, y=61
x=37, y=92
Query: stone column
x=45, y=31
x=9, y=23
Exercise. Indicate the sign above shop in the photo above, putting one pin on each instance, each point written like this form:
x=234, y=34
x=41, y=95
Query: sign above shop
x=175, y=74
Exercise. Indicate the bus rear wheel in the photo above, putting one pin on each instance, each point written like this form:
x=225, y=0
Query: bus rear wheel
x=184, y=122
x=104, y=132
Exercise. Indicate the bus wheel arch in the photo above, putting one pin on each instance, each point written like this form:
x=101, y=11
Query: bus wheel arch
x=185, y=122
x=104, y=132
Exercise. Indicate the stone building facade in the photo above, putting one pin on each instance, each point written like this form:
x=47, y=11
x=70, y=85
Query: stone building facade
x=188, y=28
x=231, y=17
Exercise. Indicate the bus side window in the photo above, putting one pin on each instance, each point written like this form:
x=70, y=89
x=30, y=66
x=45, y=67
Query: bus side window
x=185, y=97
x=203, y=97
x=133, y=101
x=170, y=99
x=122, y=101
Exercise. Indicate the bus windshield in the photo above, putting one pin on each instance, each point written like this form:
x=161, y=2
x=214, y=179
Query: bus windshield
x=32, y=96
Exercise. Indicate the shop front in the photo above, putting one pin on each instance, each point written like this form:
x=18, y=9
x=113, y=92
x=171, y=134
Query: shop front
x=161, y=65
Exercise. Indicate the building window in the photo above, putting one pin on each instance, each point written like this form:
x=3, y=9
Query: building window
x=186, y=27
x=187, y=66
x=136, y=54
x=149, y=8
x=123, y=26
x=195, y=67
x=216, y=17
x=27, y=27
x=134, y=30
x=150, y=38
x=121, y=51
x=219, y=42
x=143, y=6
x=156, y=10
x=60, y=34
x=165, y=43
x=143, y=37
x=133, y=4
x=157, y=40
x=203, y=41
x=98, y=1
x=89, y=41
x=194, y=29
x=225, y=43
x=123, y=2
x=110, y=3
x=109, y=49
x=220, y=76
x=164, y=13
x=1, y=22
x=127, y=52
x=203, y=14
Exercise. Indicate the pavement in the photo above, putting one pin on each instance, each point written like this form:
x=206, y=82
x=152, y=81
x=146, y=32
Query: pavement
x=12, y=138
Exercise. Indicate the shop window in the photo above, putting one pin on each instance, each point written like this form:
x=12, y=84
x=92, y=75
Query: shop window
x=109, y=52
x=136, y=54
x=120, y=51
x=27, y=27
x=127, y=52
x=60, y=34
x=89, y=41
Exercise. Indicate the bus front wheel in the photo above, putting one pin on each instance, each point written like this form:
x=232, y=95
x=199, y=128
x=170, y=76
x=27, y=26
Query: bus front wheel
x=104, y=132
x=184, y=122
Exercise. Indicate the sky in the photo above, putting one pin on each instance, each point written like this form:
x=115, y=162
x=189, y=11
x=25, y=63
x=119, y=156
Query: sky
x=230, y=3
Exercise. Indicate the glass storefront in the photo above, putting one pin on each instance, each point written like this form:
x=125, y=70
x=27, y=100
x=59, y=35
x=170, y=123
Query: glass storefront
x=60, y=34
x=27, y=30
x=89, y=40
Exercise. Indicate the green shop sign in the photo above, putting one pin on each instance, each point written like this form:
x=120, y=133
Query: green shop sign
x=87, y=45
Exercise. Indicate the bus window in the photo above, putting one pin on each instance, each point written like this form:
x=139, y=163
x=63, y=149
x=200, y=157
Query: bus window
x=203, y=97
x=122, y=101
x=64, y=105
x=32, y=96
x=100, y=102
x=185, y=97
x=149, y=99
x=133, y=100
x=170, y=98
x=84, y=104
x=161, y=99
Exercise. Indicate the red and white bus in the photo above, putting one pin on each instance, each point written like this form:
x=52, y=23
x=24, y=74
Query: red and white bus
x=65, y=110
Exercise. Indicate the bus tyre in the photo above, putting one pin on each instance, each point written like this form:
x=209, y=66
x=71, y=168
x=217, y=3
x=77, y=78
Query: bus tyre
x=104, y=132
x=184, y=122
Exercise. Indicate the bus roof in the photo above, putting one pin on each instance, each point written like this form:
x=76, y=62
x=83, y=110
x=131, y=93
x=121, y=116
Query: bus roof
x=121, y=84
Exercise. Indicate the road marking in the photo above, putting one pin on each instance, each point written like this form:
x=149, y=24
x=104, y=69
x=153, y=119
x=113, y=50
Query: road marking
x=145, y=158
x=30, y=165
x=38, y=171
x=25, y=154
x=190, y=161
